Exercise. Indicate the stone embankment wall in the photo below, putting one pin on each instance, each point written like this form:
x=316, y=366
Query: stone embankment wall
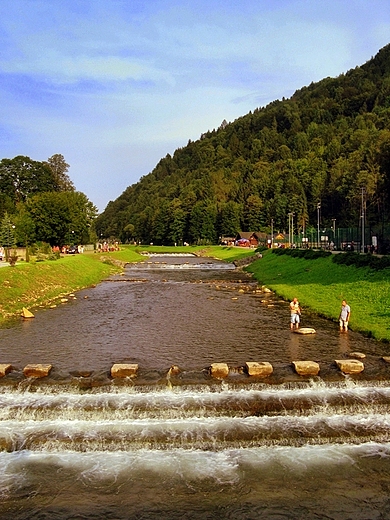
x=242, y=262
x=113, y=261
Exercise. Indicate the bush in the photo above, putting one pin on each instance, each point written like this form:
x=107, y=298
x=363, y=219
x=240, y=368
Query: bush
x=307, y=254
x=261, y=249
x=368, y=260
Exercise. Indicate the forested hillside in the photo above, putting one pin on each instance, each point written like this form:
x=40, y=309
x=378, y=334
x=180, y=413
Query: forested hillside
x=329, y=144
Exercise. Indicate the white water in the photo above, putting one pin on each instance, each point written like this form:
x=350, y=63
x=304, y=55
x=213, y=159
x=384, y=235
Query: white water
x=128, y=452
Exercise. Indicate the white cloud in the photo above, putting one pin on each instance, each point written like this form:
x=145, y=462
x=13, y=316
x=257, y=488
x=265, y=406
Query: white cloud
x=115, y=86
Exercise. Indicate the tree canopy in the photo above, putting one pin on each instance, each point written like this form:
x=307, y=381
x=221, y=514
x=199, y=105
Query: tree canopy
x=38, y=202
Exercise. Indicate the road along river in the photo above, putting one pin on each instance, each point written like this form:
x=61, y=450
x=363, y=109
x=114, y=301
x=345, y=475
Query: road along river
x=79, y=444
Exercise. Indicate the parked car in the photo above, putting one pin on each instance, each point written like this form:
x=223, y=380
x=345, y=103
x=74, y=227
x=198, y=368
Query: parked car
x=243, y=242
x=72, y=250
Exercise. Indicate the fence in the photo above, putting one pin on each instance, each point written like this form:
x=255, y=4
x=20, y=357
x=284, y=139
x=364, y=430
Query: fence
x=343, y=239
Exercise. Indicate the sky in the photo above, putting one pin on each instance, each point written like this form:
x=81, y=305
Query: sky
x=115, y=85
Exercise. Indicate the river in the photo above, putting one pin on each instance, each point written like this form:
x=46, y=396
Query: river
x=79, y=444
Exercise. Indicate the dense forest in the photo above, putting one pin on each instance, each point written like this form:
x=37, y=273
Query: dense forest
x=327, y=146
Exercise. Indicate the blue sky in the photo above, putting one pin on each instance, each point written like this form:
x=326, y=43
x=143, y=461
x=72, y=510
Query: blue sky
x=115, y=85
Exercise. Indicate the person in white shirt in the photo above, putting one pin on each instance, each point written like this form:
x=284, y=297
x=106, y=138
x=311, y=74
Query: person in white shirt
x=345, y=314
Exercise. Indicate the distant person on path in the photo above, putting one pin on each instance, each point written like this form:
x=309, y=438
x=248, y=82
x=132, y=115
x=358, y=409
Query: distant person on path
x=295, y=311
x=345, y=314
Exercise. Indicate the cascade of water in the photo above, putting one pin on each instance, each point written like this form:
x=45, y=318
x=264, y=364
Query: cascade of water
x=55, y=441
x=127, y=419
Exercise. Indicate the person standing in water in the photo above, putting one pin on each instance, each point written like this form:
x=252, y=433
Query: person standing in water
x=345, y=314
x=295, y=311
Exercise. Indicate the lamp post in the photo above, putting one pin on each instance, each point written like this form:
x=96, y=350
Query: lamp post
x=334, y=230
x=363, y=218
x=289, y=229
x=318, y=223
x=292, y=227
x=272, y=233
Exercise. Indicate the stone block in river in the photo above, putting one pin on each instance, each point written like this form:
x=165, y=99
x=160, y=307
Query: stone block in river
x=124, y=370
x=357, y=355
x=305, y=330
x=306, y=368
x=219, y=370
x=5, y=369
x=259, y=369
x=26, y=313
x=37, y=370
x=350, y=366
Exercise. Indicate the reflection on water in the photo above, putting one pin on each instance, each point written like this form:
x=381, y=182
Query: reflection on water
x=183, y=445
x=344, y=342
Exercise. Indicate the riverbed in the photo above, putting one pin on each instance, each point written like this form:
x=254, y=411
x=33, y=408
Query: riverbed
x=80, y=444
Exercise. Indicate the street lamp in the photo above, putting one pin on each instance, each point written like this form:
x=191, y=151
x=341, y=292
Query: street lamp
x=289, y=228
x=363, y=218
x=318, y=223
x=272, y=233
x=334, y=231
x=292, y=227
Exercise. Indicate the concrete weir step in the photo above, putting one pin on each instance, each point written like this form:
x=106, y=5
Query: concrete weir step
x=350, y=366
x=37, y=370
x=259, y=369
x=124, y=370
x=5, y=368
x=306, y=368
x=219, y=370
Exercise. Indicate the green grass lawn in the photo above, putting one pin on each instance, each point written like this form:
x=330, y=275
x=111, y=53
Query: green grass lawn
x=321, y=285
x=37, y=283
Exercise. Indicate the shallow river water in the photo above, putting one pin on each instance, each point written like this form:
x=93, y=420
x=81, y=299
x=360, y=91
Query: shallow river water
x=79, y=444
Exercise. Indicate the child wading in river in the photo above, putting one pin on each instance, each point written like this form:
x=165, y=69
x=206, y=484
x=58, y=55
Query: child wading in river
x=345, y=313
x=295, y=311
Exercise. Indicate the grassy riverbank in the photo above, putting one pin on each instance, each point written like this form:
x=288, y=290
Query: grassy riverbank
x=33, y=284
x=321, y=285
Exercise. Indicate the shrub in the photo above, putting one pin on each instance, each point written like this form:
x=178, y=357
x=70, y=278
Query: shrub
x=307, y=254
x=373, y=262
x=260, y=249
